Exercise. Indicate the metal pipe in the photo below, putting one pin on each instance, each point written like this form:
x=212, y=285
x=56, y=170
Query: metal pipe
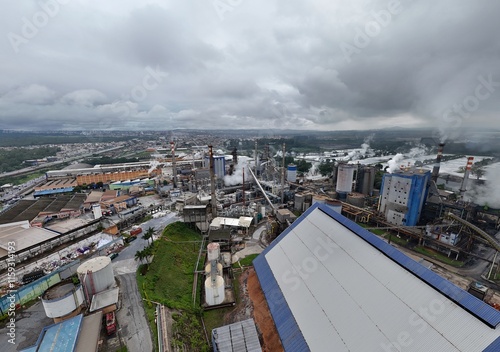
x=262, y=190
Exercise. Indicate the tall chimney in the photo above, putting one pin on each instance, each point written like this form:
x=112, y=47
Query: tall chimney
x=283, y=171
x=463, y=186
x=174, y=170
x=213, y=200
x=243, y=187
x=435, y=170
x=255, y=157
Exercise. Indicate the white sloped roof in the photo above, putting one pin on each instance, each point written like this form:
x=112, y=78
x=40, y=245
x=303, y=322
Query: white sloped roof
x=333, y=286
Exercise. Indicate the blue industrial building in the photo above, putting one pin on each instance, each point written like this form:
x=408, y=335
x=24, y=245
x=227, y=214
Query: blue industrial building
x=402, y=196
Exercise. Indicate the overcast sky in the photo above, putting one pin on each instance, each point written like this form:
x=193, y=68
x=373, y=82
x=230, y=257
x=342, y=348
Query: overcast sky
x=298, y=64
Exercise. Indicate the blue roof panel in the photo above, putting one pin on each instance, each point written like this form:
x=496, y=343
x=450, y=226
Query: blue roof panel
x=288, y=329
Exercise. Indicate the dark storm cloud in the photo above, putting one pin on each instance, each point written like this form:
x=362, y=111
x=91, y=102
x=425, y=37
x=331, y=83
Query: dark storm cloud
x=297, y=64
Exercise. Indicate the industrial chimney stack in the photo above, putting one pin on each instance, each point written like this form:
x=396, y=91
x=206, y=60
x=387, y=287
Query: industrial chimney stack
x=468, y=167
x=212, y=182
x=435, y=170
x=174, y=170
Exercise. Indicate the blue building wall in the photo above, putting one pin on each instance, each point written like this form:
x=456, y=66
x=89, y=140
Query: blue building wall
x=417, y=194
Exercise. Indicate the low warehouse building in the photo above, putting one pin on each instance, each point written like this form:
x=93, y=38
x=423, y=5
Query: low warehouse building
x=333, y=286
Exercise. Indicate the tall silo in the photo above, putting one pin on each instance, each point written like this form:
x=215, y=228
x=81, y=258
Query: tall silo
x=291, y=175
x=345, y=176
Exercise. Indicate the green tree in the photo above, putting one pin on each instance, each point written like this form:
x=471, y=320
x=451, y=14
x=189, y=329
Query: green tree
x=148, y=235
x=326, y=167
x=303, y=166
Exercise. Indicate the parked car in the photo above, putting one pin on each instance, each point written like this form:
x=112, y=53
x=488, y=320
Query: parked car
x=113, y=255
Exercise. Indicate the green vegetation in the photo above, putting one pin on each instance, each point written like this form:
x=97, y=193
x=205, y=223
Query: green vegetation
x=439, y=256
x=11, y=160
x=17, y=180
x=247, y=261
x=169, y=281
x=326, y=167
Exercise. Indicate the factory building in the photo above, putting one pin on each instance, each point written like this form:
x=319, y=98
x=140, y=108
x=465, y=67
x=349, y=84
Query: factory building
x=403, y=195
x=393, y=304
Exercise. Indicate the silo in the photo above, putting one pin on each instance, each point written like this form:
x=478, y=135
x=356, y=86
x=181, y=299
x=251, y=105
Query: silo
x=345, y=177
x=335, y=205
x=291, y=175
x=96, y=209
x=63, y=300
x=366, y=180
x=96, y=275
x=356, y=199
x=214, y=283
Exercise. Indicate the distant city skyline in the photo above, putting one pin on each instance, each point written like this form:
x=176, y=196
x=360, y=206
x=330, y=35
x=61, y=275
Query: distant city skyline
x=299, y=65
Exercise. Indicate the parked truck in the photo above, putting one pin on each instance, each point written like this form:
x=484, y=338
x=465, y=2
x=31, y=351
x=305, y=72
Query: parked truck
x=110, y=323
x=135, y=230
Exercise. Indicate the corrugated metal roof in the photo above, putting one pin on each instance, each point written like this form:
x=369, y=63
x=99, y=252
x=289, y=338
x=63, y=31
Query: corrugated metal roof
x=237, y=337
x=336, y=285
x=60, y=337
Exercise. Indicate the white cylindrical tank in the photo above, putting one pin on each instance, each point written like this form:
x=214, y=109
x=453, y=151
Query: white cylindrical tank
x=263, y=211
x=214, y=293
x=345, y=177
x=335, y=205
x=213, y=251
x=96, y=209
x=62, y=299
x=291, y=175
x=96, y=275
x=208, y=269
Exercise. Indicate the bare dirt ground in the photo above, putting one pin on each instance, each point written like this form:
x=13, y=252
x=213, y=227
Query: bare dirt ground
x=253, y=305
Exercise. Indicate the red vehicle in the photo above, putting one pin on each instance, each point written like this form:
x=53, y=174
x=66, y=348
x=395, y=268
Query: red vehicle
x=110, y=323
x=135, y=231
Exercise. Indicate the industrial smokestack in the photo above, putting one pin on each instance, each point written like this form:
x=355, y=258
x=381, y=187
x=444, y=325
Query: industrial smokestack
x=174, y=170
x=463, y=187
x=283, y=170
x=213, y=200
x=435, y=170
x=235, y=156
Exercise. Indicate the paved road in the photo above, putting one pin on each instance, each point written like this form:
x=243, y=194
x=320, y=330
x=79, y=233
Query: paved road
x=132, y=317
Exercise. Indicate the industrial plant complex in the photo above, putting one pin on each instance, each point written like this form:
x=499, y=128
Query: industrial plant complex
x=389, y=245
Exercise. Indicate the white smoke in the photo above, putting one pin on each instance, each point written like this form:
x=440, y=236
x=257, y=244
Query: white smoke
x=394, y=163
x=417, y=151
x=153, y=164
x=489, y=193
x=237, y=177
x=365, y=150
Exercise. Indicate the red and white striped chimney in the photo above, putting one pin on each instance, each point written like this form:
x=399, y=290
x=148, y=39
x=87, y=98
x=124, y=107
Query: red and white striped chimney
x=435, y=170
x=463, y=187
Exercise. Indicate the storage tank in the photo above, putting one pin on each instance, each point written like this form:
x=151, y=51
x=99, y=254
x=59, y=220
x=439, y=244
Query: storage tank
x=335, y=205
x=214, y=283
x=345, y=177
x=356, y=199
x=291, y=175
x=366, y=180
x=96, y=209
x=96, y=275
x=63, y=300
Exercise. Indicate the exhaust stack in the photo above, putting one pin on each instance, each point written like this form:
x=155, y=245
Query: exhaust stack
x=213, y=200
x=435, y=170
x=463, y=186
